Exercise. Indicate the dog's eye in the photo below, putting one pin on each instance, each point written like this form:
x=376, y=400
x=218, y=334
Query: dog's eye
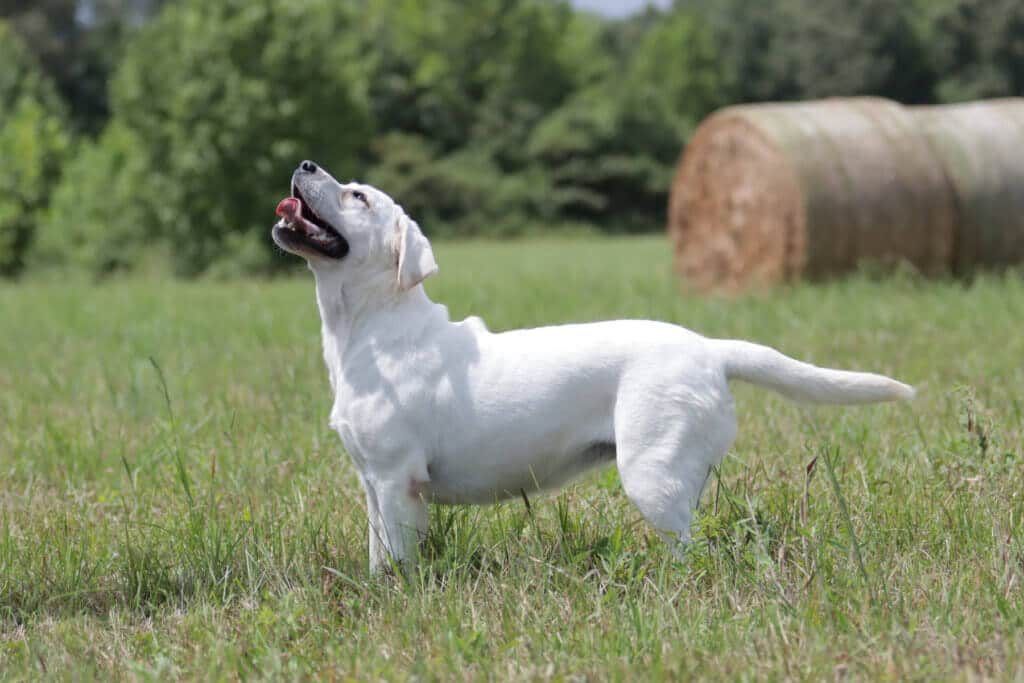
x=360, y=196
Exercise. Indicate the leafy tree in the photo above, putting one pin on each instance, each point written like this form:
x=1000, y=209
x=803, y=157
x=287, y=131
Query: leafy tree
x=455, y=71
x=612, y=148
x=78, y=44
x=227, y=97
x=458, y=88
x=803, y=49
x=33, y=142
x=979, y=49
x=463, y=193
x=99, y=219
x=486, y=117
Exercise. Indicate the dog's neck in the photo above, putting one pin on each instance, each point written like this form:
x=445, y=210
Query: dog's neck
x=352, y=312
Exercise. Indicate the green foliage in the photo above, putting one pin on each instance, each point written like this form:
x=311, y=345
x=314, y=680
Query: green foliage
x=237, y=94
x=464, y=193
x=551, y=124
x=491, y=118
x=979, y=49
x=802, y=49
x=461, y=73
x=100, y=218
x=78, y=44
x=33, y=143
x=611, y=149
x=458, y=88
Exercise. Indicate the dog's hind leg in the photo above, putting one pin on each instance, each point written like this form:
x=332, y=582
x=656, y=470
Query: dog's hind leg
x=665, y=456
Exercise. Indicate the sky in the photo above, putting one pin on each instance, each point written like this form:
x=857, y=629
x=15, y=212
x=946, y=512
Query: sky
x=618, y=8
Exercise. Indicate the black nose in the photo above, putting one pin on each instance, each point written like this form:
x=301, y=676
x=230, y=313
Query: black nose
x=309, y=167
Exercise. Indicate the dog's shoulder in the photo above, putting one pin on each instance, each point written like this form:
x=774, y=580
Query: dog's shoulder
x=473, y=324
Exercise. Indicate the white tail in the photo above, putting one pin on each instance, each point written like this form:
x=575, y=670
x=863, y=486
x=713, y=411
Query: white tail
x=805, y=382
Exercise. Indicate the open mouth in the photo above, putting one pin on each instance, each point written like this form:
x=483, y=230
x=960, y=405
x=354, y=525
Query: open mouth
x=301, y=229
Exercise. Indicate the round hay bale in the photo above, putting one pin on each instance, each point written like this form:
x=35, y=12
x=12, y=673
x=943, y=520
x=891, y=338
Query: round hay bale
x=767, y=193
x=981, y=146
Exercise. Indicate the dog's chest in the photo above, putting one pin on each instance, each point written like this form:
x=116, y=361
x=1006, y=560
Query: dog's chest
x=383, y=416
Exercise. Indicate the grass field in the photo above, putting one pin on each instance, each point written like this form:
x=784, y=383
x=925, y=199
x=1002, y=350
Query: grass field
x=173, y=504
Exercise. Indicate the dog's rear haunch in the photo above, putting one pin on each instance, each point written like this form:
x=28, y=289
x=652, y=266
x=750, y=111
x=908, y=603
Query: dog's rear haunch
x=435, y=411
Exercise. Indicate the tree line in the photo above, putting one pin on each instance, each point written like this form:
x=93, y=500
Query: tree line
x=161, y=133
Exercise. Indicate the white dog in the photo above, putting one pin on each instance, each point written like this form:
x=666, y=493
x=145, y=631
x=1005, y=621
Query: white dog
x=448, y=412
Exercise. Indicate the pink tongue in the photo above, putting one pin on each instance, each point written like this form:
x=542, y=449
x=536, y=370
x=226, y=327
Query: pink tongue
x=289, y=208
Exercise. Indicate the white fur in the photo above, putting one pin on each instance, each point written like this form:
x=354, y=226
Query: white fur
x=448, y=412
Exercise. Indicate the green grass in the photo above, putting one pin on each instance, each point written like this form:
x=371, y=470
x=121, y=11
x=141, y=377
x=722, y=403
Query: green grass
x=173, y=504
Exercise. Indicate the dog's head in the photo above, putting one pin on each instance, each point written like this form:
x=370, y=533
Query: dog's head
x=351, y=227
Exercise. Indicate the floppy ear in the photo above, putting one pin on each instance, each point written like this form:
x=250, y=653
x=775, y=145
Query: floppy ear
x=415, y=257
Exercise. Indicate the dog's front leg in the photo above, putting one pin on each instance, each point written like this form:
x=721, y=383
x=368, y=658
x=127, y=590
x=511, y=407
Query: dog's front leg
x=398, y=526
x=378, y=558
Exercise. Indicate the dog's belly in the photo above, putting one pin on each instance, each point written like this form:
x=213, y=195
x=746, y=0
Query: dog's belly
x=534, y=415
x=512, y=474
